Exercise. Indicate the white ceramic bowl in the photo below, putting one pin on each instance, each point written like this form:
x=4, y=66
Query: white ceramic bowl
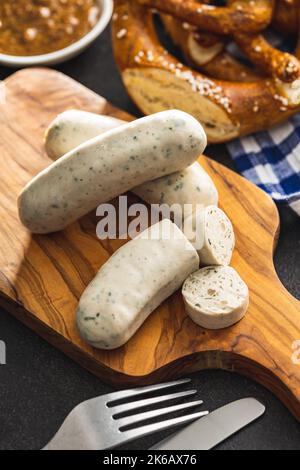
x=67, y=53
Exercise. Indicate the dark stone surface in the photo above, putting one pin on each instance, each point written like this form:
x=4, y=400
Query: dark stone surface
x=39, y=385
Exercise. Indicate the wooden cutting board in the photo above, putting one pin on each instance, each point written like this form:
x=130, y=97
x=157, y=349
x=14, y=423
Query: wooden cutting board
x=42, y=277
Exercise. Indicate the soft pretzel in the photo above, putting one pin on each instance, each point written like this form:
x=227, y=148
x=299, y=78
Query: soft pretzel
x=270, y=60
x=206, y=52
x=241, y=15
x=285, y=18
x=156, y=81
x=200, y=48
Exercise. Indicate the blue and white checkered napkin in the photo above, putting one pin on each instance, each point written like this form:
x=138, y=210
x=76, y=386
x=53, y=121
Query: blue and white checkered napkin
x=271, y=160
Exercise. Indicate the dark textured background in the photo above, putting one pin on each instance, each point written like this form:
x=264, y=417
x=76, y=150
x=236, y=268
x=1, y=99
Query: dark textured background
x=39, y=385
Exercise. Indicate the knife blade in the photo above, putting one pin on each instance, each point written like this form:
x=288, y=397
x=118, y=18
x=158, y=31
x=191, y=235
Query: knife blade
x=207, y=432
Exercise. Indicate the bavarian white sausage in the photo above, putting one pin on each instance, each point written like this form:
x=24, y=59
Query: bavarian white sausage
x=215, y=297
x=133, y=282
x=72, y=128
x=185, y=190
x=191, y=186
x=109, y=165
x=211, y=233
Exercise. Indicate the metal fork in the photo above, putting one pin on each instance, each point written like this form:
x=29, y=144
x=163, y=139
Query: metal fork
x=98, y=424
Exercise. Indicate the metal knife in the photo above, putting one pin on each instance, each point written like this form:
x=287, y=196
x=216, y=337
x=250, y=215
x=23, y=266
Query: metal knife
x=207, y=432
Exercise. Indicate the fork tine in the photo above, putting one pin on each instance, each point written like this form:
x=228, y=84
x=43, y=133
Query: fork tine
x=122, y=422
x=162, y=425
x=111, y=397
x=149, y=401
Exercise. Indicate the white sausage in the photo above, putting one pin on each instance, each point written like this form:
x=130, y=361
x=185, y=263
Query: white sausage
x=215, y=297
x=109, y=165
x=132, y=283
x=189, y=189
x=211, y=233
x=190, y=186
x=72, y=128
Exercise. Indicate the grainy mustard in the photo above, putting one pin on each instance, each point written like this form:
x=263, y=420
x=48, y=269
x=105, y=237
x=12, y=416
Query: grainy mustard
x=33, y=27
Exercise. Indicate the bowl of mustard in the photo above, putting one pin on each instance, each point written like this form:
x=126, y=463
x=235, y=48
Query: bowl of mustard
x=48, y=32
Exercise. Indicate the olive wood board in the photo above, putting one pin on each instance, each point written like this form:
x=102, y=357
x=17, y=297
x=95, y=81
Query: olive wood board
x=42, y=277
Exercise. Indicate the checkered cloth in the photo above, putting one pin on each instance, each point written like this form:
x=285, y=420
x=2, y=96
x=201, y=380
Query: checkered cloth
x=271, y=160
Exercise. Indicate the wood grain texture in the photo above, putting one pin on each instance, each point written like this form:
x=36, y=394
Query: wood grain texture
x=42, y=277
